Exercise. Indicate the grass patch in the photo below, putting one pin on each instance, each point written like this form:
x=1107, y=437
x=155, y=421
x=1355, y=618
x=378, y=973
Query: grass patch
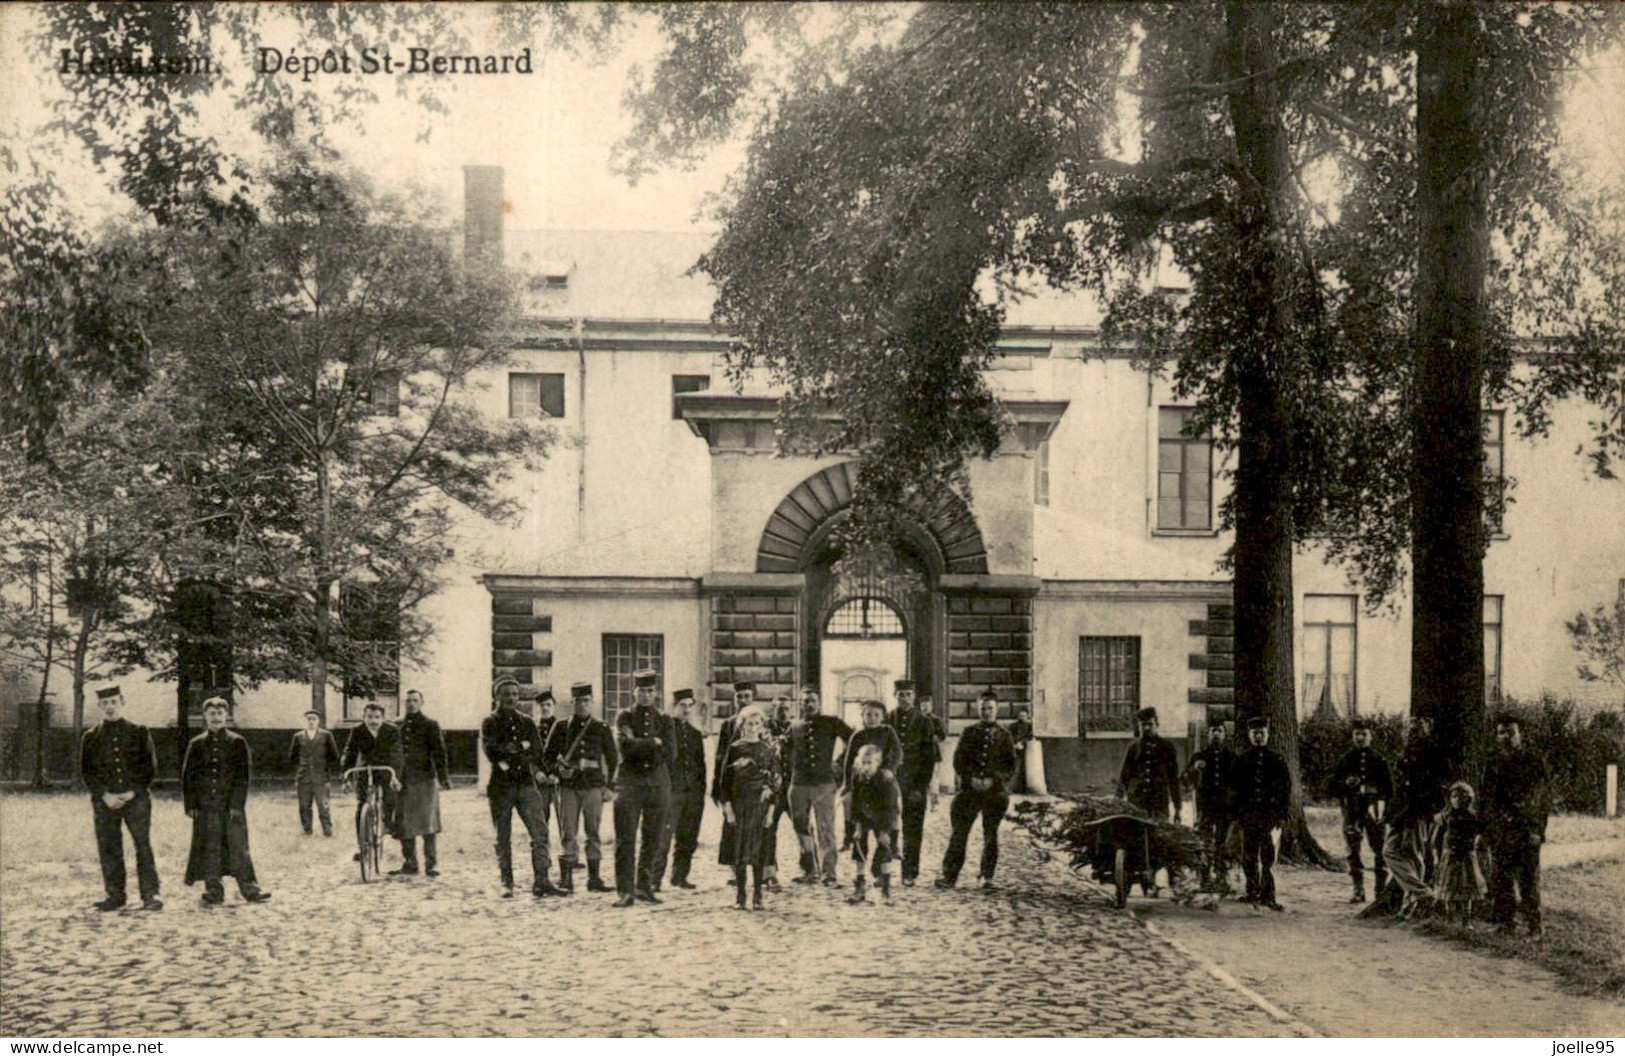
x=1583, y=917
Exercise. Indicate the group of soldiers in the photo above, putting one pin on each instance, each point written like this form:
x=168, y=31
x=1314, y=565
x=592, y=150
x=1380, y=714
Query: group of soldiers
x=1409, y=821
x=651, y=769
x=769, y=763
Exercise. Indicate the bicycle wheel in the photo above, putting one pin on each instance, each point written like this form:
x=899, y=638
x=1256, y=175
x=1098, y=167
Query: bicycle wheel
x=377, y=834
x=1120, y=877
x=366, y=842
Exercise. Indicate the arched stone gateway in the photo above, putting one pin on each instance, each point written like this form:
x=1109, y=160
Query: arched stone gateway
x=957, y=628
x=791, y=539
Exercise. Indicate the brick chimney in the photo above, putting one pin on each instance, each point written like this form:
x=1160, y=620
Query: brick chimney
x=482, y=212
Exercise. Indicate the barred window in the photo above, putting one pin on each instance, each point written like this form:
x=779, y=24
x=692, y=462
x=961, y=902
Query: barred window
x=384, y=398
x=864, y=618
x=624, y=654
x=1494, y=470
x=1108, y=682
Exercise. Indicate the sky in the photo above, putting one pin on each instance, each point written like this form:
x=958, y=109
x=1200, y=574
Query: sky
x=554, y=132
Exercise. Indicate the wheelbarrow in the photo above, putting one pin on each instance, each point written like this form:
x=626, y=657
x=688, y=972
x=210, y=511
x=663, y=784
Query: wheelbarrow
x=1121, y=855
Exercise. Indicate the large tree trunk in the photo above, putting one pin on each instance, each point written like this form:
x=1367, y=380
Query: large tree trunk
x=42, y=715
x=1263, y=488
x=318, y=663
x=1447, y=491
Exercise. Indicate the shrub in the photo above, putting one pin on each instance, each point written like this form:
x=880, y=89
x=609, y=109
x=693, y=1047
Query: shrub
x=1577, y=745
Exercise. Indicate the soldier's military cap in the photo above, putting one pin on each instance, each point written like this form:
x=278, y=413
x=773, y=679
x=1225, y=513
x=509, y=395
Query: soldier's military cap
x=580, y=689
x=644, y=678
x=313, y=711
x=1146, y=715
x=682, y=695
x=110, y=691
x=1258, y=722
x=902, y=684
x=544, y=693
x=744, y=687
x=216, y=702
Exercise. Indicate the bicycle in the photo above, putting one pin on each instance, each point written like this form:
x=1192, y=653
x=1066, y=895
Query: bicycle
x=369, y=824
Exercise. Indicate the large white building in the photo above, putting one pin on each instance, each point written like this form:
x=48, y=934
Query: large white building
x=1082, y=581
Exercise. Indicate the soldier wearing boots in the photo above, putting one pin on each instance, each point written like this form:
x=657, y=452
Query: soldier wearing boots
x=586, y=772
x=514, y=748
x=1517, y=801
x=1209, y=774
x=643, y=792
x=984, y=762
x=687, y=788
x=1260, y=792
x=1363, y=785
x=874, y=810
x=916, y=775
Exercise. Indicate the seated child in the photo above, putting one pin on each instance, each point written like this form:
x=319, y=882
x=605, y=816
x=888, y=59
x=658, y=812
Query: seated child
x=877, y=809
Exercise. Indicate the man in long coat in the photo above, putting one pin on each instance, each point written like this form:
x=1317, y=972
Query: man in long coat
x=744, y=693
x=423, y=751
x=214, y=791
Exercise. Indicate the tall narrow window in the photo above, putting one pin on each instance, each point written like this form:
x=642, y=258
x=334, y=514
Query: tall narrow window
x=1041, y=475
x=384, y=399
x=681, y=383
x=1494, y=470
x=1184, y=473
x=1108, y=683
x=535, y=395
x=1492, y=648
x=624, y=654
x=1329, y=654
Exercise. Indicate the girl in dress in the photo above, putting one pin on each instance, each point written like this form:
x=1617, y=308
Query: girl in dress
x=1459, y=880
x=750, y=784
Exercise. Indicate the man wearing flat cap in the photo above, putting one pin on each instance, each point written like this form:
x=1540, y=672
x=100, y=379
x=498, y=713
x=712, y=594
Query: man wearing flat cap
x=744, y=693
x=916, y=775
x=214, y=791
x=984, y=762
x=687, y=791
x=586, y=772
x=510, y=741
x=1150, y=775
x=642, y=791
x=315, y=758
x=1260, y=792
x=117, y=763
x=1363, y=785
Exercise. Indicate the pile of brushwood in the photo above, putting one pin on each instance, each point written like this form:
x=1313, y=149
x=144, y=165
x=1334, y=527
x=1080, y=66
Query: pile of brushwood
x=1061, y=826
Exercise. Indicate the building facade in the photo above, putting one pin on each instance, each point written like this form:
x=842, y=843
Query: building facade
x=1083, y=581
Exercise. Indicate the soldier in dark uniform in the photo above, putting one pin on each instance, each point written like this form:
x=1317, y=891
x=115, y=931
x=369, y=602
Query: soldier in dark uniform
x=511, y=743
x=1517, y=801
x=1363, y=785
x=642, y=792
x=423, y=776
x=1150, y=775
x=376, y=743
x=984, y=763
x=551, y=730
x=214, y=790
x=877, y=732
x=1021, y=735
x=687, y=789
x=744, y=692
x=916, y=775
x=315, y=758
x=1260, y=792
x=117, y=763
x=586, y=772
x=1209, y=773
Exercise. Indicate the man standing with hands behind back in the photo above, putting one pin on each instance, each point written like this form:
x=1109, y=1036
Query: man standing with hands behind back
x=117, y=763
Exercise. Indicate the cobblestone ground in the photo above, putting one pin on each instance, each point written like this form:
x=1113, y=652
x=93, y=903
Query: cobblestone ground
x=1042, y=955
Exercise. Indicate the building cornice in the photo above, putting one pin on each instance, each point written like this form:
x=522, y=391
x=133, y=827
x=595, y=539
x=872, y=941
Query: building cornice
x=597, y=586
x=1136, y=590
x=733, y=422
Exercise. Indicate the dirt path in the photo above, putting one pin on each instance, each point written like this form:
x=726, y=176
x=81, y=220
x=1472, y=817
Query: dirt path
x=1350, y=978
